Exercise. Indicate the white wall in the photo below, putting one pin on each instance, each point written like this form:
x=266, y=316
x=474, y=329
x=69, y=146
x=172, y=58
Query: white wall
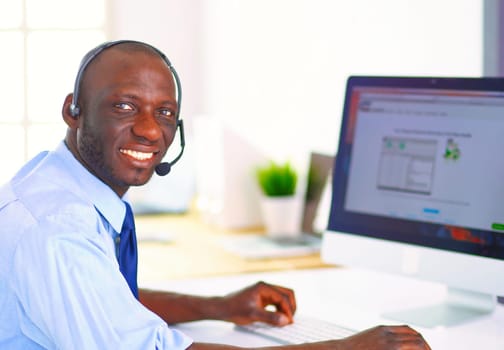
x=275, y=70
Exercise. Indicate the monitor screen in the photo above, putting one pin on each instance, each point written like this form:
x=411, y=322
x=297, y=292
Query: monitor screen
x=419, y=164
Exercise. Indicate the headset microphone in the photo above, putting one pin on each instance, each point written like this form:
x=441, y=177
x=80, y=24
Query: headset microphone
x=164, y=168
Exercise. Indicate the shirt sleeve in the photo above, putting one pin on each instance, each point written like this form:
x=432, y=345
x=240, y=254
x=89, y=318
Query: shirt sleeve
x=71, y=295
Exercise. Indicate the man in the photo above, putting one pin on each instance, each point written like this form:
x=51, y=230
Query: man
x=63, y=281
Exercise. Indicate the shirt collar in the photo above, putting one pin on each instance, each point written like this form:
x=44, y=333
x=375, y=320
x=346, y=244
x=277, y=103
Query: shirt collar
x=105, y=200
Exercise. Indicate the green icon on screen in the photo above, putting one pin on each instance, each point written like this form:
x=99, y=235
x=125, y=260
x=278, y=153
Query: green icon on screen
x=498, y=226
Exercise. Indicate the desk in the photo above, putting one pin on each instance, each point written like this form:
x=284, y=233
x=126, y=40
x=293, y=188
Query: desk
x=350, y=297
x=191, y=250
x=193, y=263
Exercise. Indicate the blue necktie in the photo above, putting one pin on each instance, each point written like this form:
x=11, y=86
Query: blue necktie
x=127, y=255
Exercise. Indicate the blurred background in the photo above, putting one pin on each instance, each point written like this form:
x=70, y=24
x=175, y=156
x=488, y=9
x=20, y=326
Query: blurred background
x=261, y=79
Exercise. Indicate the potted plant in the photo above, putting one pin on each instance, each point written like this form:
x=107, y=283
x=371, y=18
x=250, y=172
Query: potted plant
x=280, y=205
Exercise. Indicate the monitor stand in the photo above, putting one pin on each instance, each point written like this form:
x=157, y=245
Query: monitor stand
x=459, y=306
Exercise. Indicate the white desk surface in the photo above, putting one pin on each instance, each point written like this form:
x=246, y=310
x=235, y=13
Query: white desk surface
x=350, y=297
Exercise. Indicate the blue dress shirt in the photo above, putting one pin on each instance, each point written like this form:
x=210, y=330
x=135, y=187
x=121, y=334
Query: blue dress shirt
x=60, y=284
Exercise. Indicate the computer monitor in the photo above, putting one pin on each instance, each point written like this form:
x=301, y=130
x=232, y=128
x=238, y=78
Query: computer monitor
x=418, y=188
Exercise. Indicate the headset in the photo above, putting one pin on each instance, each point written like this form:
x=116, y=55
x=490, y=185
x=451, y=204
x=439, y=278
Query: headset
x=161, y=169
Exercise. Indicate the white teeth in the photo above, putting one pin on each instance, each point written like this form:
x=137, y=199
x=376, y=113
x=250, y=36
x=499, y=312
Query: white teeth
x=136, y=154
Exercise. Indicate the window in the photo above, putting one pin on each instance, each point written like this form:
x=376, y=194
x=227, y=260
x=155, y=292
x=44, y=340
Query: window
x=42, y=49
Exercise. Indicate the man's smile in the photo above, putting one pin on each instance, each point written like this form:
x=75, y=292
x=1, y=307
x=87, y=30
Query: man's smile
x=136, y=154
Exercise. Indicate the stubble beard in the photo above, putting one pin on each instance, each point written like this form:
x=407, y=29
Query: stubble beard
x=90, y=147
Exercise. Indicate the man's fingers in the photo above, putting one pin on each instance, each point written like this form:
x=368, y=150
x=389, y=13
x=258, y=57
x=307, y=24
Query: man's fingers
x=274, y=318
x=282, y=298
x=289, y=294
x=406, y=335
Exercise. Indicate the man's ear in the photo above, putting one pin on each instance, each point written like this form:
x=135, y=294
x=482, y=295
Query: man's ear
x=68, y=117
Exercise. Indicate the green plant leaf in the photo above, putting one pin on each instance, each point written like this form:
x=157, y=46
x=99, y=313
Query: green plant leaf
x=277, y=179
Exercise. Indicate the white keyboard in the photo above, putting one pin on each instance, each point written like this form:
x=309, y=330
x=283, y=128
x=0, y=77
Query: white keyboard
x=303, y=330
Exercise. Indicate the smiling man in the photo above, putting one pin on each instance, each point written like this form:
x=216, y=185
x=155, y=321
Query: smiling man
x=128, y=116
x=67, y=243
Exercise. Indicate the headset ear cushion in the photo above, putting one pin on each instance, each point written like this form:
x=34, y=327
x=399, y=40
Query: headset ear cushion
x=74, y=110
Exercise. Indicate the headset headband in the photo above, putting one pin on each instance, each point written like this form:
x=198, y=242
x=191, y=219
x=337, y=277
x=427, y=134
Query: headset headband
x=91, y=55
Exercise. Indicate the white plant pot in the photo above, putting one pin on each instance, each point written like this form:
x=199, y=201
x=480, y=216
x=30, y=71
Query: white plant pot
x=282, y=215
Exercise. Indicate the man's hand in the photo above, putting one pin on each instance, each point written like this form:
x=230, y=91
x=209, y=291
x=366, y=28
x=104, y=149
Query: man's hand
x=377, y=338
x=250, y=305
x=386, y=338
